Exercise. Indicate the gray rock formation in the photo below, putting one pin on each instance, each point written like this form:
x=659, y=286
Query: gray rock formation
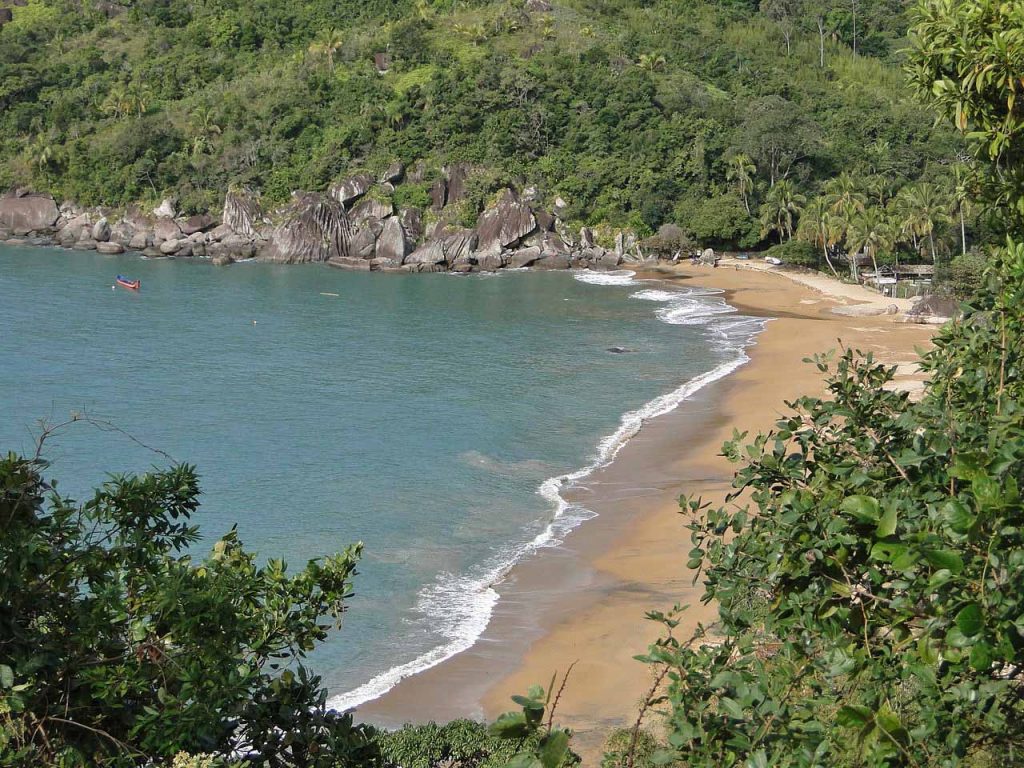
x=393, y=173
x=392, y=243
x=197, y=223
x=370, y=208
x=101, y=230
x=109, y=248
x=165, y=209
x=166, y=229
x=504, y=225
x=351, y=188
x=312, y=228
x=933, y=309
x=243, y=213
x=28, y=213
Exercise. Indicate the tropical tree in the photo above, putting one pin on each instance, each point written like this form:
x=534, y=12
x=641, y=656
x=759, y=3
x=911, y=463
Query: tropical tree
x=924, y=206
x=117, y=648
x=651, y=62
x=821, y=227
x=780, y=209
x=870, y=231
x=740, y=170
x=845, y=195
x=326, y=45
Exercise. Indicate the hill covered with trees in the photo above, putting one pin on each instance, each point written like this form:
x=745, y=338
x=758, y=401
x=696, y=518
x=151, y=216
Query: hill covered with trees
x=723, y=117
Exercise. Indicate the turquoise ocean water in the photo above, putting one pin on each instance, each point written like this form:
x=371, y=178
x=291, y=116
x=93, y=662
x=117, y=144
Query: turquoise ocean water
x=433, y=417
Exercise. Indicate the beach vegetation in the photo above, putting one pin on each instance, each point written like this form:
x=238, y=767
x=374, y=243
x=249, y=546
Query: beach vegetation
x=636, y=114
x=880, y=534
x=119, y=648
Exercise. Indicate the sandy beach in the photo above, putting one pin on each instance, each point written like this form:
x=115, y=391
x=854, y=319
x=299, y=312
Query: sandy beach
x=585, y=602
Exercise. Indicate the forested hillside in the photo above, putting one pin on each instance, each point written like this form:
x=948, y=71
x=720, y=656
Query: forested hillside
x=636, y=113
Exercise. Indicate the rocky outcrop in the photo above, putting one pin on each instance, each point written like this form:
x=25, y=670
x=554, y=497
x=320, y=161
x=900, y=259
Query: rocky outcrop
x=933, y=310
x=371, y=208
x=243, y=213
x=504, y=225
x=364, y=232
x=392, y=244
x=198, y=223
x=351, y=189
x=312, y=228
x=28, y=213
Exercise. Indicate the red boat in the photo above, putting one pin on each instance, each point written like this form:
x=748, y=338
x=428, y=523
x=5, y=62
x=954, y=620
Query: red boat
x=131, y=285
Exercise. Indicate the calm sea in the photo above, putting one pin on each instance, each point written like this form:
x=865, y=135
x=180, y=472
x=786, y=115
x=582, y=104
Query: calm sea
x=432, y=417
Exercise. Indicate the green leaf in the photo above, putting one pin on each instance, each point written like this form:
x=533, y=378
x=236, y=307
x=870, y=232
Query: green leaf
x=958, y=515
x=945, y=558
x=511, y=725
x=927, y=651
x=853, y=716
x=732, y=708
x=6, y=677
x=970, y=619
x=887, y=525
x=554, y=748
x=864, y=508
x=981, y=657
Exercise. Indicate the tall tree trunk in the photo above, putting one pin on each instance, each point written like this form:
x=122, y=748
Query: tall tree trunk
x=963, y=231
x=931, y=244
x=821, y=41
x=829, y=261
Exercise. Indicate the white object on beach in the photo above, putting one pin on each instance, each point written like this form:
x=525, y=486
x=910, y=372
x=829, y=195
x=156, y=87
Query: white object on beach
x=773, y=261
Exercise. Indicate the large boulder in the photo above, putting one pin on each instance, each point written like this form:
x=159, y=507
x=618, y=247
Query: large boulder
x=554, y=261
x=371, y=208
x=392, y=243
x=363, y=242
x=412, y=223
x=524, y=257
x=76, y=228
x=166, y=209
x=351, y=188
x=312, y=228
x=438, y=195
x=28, y=213
x=504, y=225
x=393, y=173
x=243, y=213
x=237, y=247
x=197, y=223
x=109, y=248
x=457, y=175
x=933, y=309
x=101, y=230
x=166, y=229
x=445, y=249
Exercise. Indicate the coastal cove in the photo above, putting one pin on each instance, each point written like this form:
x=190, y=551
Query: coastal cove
x=446, y=400
x=585, y=603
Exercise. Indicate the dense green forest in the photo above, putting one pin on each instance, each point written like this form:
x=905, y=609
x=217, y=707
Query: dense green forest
x=637, y=113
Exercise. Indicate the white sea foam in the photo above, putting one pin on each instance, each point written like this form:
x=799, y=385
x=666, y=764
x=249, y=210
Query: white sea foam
x=618, y=277
x=460, y=606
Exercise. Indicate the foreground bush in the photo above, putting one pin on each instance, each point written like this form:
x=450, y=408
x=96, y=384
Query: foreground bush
x=116, y=648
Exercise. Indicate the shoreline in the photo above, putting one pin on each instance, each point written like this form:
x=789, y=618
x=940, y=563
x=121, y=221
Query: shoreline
x=584, y=601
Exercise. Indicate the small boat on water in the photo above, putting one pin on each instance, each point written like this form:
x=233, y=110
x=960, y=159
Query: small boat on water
x=131, y=285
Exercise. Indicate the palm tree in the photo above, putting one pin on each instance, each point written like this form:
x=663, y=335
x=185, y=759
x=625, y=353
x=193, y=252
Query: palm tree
x=963, y=197
x=925, y=207
x=203, y=128
x=741, y=170
x=326, y=45
x=870, y=231
x=651, y=62
x=845, y=195
x=781, y=206
x=819, y=226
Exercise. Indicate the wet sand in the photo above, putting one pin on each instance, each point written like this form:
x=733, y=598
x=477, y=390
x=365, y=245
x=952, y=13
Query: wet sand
x=585, y=601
